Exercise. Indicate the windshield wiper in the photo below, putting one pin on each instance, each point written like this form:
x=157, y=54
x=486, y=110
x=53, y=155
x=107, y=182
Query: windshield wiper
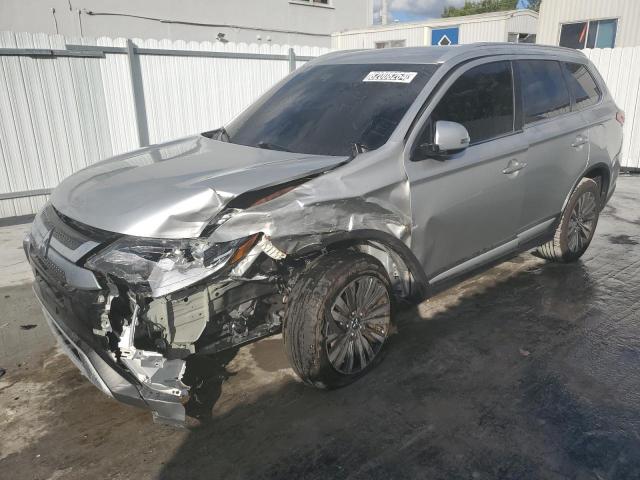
x=358, y=148
x=220, y=134
x=272, y=146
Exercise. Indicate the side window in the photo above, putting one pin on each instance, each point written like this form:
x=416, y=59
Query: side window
x=582, y=85
x=544, y=91
x=481, y=99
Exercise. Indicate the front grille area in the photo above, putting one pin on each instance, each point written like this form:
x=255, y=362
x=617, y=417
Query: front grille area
x=71, y=294
x=70, y=233
x=67, y=240
x=80, y=230
x=53, y=270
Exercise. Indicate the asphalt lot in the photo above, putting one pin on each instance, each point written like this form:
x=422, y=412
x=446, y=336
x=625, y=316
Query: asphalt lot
x=529, y=371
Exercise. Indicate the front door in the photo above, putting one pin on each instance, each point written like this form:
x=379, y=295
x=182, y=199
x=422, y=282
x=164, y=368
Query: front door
x=467, y=206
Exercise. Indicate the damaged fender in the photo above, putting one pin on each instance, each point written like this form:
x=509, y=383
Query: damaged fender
x=346, y=199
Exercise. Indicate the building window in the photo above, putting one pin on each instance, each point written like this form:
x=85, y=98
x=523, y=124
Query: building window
x=521, y=38
x=592, y=34
x=391, y=44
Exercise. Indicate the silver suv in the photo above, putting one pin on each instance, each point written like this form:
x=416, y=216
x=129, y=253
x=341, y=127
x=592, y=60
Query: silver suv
x=362, y=178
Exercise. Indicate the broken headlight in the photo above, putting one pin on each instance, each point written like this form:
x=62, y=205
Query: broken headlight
x=159, y=266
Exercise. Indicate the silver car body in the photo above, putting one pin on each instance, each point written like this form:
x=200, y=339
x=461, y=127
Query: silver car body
x=428, y=221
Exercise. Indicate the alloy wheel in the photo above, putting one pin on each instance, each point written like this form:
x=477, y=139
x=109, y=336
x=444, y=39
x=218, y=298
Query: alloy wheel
x=582, y=222
x=358, y=325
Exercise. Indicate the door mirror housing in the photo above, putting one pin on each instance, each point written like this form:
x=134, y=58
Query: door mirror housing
x=449, y=138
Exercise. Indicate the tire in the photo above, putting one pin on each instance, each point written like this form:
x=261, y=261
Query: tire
x=577, y=225
x=316, y=330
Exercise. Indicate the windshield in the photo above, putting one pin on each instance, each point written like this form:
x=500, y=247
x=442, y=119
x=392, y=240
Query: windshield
x=326, y=109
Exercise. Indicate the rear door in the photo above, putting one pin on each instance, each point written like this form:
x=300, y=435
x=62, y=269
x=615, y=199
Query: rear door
x=599, y=113
x=558, y=141
x=466, y=207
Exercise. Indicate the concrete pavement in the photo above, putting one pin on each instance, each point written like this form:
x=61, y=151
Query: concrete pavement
x=527, y=371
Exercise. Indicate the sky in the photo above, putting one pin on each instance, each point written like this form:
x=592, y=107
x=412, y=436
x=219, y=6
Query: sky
x=414, y=10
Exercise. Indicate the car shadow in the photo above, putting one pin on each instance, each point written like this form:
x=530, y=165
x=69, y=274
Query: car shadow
x=205, y=376
x=513, y=374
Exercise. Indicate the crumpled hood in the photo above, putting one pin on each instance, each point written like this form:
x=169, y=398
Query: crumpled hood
x=173, y=190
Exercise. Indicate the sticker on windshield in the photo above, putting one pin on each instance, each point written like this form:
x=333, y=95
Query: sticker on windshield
x=390, y=77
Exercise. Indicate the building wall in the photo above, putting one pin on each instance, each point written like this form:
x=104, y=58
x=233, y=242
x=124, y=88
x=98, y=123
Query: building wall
x=555, y=12
x=492, y=27
x=524, y=22
x=413, y=35
x=488, y=31
x=307, y=24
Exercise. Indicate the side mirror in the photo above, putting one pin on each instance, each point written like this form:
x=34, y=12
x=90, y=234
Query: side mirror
x=449, y=138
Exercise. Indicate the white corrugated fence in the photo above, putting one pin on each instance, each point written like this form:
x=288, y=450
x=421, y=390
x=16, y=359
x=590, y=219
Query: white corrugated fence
x=66, y=103
x=620, y=68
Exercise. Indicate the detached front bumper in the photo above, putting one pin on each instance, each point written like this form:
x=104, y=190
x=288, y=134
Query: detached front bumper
x=113, y=380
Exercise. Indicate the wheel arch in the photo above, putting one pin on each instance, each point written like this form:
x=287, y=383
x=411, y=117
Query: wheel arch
x=385, y=244
x=600, y=173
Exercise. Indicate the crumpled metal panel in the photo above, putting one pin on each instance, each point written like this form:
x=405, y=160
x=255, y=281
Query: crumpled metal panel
x=173, y=190
x=370, y=192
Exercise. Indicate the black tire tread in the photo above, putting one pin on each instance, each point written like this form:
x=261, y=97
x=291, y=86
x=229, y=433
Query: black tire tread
x=302, y=330
x=552, y=250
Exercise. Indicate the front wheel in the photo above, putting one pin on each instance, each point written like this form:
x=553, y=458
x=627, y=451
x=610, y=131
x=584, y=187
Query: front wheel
x=337, y=319
x=577, y=225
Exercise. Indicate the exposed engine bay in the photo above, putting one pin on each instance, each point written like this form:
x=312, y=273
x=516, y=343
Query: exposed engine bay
x=153, y=336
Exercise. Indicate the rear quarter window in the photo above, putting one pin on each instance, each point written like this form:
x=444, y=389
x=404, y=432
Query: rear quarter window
x=582, y=85
x=544, y=90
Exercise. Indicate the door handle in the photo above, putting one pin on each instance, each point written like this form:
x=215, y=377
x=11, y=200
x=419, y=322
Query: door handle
x=580, y=140
x=514, y=166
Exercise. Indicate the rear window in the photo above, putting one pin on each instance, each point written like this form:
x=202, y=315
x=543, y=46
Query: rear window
x=582, y=85
x=326, y=109
x=544, y=91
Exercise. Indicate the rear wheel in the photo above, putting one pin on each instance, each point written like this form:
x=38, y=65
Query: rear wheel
x=577, y=225
x=338, y=319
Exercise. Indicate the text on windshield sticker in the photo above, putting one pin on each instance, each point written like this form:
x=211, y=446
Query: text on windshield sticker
x=391, y=77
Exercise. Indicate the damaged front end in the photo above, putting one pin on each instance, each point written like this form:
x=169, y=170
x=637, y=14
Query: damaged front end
x=159, y=280
x=132, y=312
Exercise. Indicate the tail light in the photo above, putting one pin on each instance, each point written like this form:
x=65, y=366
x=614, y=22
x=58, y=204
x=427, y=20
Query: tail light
x=620, y=117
